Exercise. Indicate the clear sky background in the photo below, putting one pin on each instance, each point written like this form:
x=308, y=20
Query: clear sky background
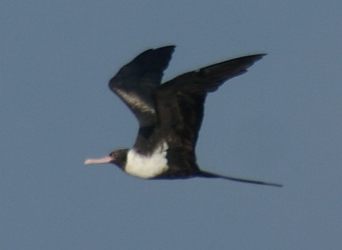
x=279, y=122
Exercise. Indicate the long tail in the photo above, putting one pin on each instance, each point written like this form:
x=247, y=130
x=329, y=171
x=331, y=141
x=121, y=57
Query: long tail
x=212, y=175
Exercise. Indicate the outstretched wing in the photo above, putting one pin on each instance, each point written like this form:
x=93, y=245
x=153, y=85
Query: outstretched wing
x=180, y=102
x=136, y=81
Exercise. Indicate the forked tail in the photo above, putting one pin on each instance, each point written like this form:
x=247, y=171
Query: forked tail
x=212, y=175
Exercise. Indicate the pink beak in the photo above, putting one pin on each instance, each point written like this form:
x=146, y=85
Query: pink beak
x=103, y=160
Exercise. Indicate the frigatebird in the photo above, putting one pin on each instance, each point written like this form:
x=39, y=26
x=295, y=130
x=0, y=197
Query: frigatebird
x=169, y=115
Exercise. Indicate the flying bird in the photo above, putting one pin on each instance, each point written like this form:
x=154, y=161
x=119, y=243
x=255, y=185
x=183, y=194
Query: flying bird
x=169, y=115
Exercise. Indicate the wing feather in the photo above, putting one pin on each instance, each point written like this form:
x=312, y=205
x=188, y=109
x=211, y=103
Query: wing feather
x=180, y=102
x=136, y=82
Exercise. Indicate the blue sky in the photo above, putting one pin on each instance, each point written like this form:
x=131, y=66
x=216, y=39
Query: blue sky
x=279, y=122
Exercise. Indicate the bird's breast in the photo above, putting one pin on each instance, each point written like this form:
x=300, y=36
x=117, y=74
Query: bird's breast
x=147, y=166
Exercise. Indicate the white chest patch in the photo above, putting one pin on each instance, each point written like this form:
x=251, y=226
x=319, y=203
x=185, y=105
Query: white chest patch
x=147, y=166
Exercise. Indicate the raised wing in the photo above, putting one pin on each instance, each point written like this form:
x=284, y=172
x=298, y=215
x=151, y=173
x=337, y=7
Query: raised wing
x=180, y=102
x=136, y=81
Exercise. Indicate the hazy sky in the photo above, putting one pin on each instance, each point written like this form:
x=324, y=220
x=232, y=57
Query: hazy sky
x=280, y=122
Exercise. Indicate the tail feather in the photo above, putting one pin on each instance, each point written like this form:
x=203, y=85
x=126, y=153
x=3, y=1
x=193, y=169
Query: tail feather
x=212, y=175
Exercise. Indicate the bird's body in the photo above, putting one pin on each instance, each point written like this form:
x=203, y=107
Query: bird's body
x=169, y=114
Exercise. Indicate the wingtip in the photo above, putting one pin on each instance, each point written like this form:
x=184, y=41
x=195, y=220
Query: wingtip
x=170, y=47
x=259, y=56
x=254, y=57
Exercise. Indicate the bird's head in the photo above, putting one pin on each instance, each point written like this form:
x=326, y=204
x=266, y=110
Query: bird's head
x=117, y=157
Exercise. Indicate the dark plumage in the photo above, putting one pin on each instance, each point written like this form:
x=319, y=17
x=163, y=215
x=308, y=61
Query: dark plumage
x=169, y=115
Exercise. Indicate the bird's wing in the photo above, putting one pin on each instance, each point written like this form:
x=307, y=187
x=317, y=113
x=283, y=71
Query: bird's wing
x=180, y=102
x=136, y=81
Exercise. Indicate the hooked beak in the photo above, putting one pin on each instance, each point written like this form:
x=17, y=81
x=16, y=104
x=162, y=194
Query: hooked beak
x=103, y=160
